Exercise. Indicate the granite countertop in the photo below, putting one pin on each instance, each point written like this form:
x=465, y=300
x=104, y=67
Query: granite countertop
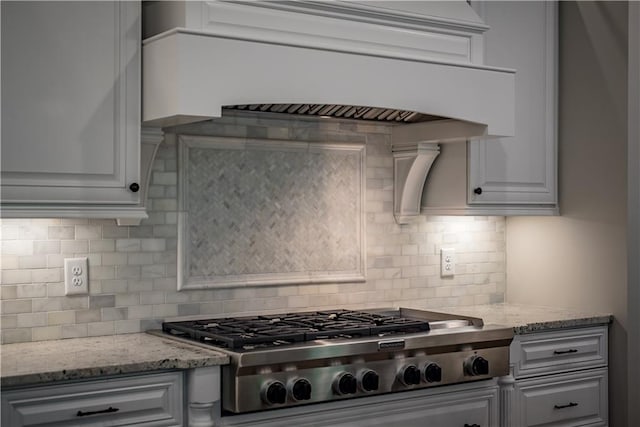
x=85, y=358
x=527, y=319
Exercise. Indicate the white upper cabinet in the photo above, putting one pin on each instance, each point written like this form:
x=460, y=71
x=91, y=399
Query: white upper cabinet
x=515, y=175
x=71, y=109
x=520, y=170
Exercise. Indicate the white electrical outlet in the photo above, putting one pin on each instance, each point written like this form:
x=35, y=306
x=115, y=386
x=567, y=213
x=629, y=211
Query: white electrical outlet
x=76, y=276
x=447, y=262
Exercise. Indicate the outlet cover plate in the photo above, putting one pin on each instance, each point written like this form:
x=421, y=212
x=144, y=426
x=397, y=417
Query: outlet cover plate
x=76, y=276
x=447, y=262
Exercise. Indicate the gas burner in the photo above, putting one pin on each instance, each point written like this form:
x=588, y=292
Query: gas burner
x=259, y=332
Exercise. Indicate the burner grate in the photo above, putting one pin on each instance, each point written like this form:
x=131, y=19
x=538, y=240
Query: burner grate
x=249, y=333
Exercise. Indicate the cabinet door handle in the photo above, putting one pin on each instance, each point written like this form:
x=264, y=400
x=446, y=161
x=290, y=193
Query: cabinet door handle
x=134, y=187
x=571, y=350
x=568, y=405
x=478, y=191
x=104, y=411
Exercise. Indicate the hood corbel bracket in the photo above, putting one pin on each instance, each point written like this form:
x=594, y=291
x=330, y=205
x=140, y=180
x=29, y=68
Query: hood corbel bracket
x=150, y=140
x=415, y=148
x=411, y=165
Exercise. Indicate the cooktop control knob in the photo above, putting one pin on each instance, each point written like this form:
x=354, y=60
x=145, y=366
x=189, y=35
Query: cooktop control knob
x=345, y=383
x=410, y=375
x=369, y=381
x=476, y=365
x=301, y=389
x=274, y=392
x=433, y=373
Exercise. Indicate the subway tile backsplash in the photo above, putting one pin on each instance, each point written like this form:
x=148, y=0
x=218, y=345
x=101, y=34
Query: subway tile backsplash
x=132, y=270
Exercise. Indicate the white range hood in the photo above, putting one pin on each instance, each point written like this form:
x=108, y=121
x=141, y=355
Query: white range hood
x=415, y=57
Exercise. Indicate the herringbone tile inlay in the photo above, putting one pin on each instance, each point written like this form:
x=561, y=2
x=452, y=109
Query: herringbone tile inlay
x=272, y=212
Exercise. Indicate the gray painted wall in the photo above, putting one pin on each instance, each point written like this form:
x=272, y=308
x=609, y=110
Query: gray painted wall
x=633, y=286
x=579, y=259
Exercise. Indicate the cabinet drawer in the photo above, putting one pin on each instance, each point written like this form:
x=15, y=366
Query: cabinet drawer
x=576, y=399
x=554, y=352
x=449, y=406
x=145, y=400
x=451, y=414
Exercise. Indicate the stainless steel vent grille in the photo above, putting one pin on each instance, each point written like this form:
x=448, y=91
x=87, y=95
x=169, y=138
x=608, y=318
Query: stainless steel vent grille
x=340, y=111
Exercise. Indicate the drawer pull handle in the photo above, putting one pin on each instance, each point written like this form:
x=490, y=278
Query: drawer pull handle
x=104, y=411
x=568, y=405
x=471, y=425
x=572, y=350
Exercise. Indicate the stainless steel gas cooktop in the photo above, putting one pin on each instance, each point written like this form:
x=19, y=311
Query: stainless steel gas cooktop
x=309, y=357
x=259, y=332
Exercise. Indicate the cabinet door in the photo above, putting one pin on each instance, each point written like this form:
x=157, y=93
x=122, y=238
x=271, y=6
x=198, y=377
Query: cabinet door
x=520, y=170
x=70, y=102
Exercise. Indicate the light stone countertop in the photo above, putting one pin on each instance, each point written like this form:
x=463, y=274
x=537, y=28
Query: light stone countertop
x=526, y=319
x=85, y=358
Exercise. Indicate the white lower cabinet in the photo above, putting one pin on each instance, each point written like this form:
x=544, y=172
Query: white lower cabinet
x=559, y=379
x=470, y=405
x=575, y=399
x=144, y=400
